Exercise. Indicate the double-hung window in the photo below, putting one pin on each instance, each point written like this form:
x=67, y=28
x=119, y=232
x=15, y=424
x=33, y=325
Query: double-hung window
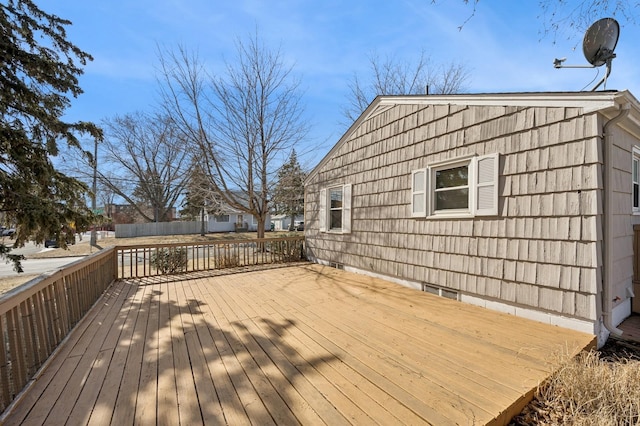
x=335, y=209
x=635, y=180
x=451, y=187
x=463, y=187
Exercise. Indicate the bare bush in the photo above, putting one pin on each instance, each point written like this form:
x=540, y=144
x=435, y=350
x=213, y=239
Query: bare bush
x=227, y=260
x=287, y=250
x=588, y=390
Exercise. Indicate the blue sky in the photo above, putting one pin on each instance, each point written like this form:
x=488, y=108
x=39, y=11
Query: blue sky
x=326, y=42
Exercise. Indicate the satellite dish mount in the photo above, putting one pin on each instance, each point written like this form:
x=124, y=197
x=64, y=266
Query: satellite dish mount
x=598, y=45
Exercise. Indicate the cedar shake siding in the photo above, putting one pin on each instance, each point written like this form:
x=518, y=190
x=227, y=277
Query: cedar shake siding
x=532, y=241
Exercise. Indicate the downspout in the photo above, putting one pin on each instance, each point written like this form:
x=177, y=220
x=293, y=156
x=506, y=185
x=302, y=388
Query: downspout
x=607, y=240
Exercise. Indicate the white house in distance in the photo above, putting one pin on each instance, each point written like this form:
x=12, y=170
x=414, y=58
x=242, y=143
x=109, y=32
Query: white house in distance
x=282, y=222
x=232, y=220
x=522, y=202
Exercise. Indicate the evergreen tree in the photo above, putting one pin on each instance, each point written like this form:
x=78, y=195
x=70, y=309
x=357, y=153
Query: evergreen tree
x=39, y=72
x=196, y=194
x=288, y=197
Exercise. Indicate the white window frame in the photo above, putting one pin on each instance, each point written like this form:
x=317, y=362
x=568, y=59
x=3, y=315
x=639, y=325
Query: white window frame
x=325, y=209
x=331, y=209
x=635, y=180
x=482, y=184
x=452, y=164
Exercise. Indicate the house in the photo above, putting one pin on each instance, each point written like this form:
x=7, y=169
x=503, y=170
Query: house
x=524, y=202
x=231, y=220
x=282, y=222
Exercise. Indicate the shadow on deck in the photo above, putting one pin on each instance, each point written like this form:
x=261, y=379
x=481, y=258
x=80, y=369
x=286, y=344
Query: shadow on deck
x=297, y=345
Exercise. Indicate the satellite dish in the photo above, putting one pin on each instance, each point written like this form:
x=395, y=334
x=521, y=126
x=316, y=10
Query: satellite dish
x=599, y=42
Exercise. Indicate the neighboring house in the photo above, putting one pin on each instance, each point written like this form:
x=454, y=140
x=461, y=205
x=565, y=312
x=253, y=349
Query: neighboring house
x=231, y=220
x=523, y=203
x=282, y=222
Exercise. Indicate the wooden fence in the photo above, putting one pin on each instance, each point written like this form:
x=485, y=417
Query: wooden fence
x=37, y=316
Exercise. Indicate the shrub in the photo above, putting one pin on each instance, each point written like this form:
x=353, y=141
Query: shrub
x=228, y=260
x=170, y=260
x=288, y=250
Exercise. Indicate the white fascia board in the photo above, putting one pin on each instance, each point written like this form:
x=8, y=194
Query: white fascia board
x=589, y=101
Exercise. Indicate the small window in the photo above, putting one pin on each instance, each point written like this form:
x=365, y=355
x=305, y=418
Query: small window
x=462, y=187
x=335, y=208
x=451, y=188
x=635, y=180
x=222, y=218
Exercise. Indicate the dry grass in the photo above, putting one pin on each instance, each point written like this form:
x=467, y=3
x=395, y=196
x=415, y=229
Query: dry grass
x=7, y=283
x=588, y=390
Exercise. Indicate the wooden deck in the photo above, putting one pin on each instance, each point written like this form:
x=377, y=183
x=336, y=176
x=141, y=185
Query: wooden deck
x=294, y=345
x=631, y=328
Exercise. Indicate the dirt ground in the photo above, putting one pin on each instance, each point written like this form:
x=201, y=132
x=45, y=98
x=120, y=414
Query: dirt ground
x=83, y=248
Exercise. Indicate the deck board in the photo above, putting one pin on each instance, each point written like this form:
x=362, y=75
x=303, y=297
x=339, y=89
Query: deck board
x=296, y=345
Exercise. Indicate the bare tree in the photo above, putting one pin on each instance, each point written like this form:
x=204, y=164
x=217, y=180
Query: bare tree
x=145, y=163
x=241, y=125
x=391, y=76
x=571, y=18
x=563, y=18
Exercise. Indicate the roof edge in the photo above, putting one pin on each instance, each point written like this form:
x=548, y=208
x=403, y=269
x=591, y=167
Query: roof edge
x=606, y=101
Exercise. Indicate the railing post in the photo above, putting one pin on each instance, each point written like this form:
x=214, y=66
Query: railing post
x=4, y=368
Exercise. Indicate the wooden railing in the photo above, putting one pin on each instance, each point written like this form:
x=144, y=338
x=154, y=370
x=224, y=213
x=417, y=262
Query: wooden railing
x=161, y=259
x=37, y=316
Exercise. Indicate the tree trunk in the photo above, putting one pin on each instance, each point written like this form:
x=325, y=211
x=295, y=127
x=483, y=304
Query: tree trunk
x=261, y=223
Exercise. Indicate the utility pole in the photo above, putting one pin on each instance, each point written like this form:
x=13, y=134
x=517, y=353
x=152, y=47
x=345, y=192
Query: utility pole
x=93, y=241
